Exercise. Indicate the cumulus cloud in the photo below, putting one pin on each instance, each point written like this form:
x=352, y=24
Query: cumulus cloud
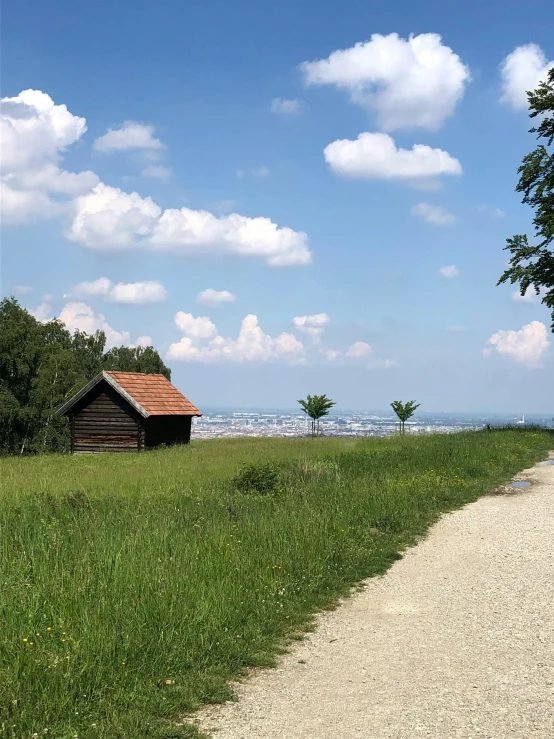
x=285, y=107
x=215, y=298
x=251, y=345
x=200, y=327
x=449, y=271
x=375, y=156
x=35, y=133
x=526, y=346
x=433, y=214
x=358, y=349
x=188, y=231
x=407, y=82
x=137, y=293
x=81, y=317
x=312, y=325
x=131, y=135
x=157, y=171
x=521, y=71
x=529, y=296
x=108, y=217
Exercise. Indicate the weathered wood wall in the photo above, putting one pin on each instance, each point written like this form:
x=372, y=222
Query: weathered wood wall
x=104, y=422
x=167, y=430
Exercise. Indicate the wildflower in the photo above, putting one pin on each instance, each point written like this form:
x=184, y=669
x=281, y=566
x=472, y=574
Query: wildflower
x=63, y=640
x=48, y=628
x=123, y=661
x=37, y=633
x=31, y=643
x=25, y=639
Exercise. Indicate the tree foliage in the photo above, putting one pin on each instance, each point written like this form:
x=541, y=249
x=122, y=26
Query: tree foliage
x=41, y=366
x=316, y=406
x=532, y=265
x=404, y=411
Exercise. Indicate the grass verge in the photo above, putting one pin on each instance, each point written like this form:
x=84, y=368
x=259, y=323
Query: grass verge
x=133, y=588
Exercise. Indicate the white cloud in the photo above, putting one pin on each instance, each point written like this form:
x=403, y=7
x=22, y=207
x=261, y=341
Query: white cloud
x=42, y=312
x=375, y=156
x=198, y=328
x=188, y=231
x=137, y=293
x=157, y=171
x=318, y=320
x=521, y=71
x=530, y=295
x=526, y=346
x=407, y=82
x=251, y=345
x=449, y=271
x=215, y=298
x=109, y=217
x=35, y=134
x=285, y=107
x=358, y=349
x=18, y=206
x=433, y=214
x=254, y=172
x=81, y=317
x=144, y=341
x=131, y=135
x=312, y=325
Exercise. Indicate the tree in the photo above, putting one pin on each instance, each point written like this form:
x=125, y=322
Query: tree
x=532, y=266
x=404, y=411
x=41, y=366
x=316, y=406
x=136, y=359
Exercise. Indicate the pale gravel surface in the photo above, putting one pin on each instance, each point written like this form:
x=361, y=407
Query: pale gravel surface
x=456, y=641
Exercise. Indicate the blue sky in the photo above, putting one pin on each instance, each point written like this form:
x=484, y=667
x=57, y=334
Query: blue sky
x=372, y=273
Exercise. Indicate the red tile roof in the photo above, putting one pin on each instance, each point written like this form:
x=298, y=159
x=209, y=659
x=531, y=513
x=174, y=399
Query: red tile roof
x=155, y=394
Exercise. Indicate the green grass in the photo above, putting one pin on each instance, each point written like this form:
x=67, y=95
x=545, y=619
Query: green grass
x=124, y=572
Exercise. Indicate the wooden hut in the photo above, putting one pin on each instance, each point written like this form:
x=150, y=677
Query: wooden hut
x=128, y=412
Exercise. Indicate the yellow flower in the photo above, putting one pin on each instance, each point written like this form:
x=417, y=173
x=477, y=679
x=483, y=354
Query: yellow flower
x=25, y=639
x=37, y=633
x=48, y=628
x=63, y=639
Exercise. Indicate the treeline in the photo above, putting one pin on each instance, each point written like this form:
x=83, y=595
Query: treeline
x=41, y=366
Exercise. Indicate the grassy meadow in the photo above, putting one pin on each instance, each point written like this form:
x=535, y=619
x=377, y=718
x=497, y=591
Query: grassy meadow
x=134, y=587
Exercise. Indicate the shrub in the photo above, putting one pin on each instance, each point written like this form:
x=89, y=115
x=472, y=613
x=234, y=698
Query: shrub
x=262, y=479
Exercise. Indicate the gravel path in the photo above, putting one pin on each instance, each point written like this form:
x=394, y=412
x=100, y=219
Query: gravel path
x=455, y=641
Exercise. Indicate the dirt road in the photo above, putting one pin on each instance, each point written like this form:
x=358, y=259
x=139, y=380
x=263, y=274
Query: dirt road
x=455, y=641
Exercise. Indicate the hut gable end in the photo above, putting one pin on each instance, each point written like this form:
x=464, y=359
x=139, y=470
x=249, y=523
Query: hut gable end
x=104, y=421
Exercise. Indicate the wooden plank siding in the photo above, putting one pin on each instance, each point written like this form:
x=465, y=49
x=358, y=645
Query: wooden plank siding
x=103, y=421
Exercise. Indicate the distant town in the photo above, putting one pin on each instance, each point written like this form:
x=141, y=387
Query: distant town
x=217, y=423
